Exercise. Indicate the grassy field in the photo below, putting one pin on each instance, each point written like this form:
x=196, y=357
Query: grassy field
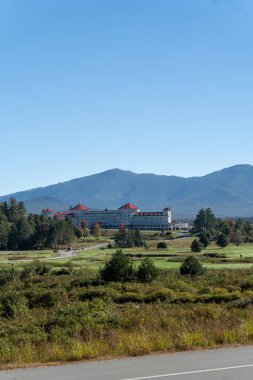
x=58, y=309
x=172, y=257
x=50, y=315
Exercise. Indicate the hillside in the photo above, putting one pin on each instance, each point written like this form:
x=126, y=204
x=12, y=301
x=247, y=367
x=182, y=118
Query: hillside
x=228, y=192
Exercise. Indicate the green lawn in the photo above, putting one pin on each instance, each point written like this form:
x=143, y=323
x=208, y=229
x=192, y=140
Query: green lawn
x=229, y=257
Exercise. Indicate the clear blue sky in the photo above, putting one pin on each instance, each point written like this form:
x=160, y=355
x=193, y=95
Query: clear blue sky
x=163, y=86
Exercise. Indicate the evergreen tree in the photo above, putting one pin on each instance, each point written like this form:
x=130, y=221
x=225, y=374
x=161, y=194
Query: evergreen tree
x=222, y=240
x=147, y=271
x=204, y=239
x=119, y=268
x=196, y=246
x=205, y=221
x=138, y=242
x=192, y=266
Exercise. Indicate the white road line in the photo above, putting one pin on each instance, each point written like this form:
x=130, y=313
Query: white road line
x=190, y=372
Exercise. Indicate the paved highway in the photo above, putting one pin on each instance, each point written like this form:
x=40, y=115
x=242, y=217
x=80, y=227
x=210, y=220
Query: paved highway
x=223, y=364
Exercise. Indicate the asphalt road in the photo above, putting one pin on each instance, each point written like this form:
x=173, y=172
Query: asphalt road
x=223, y=364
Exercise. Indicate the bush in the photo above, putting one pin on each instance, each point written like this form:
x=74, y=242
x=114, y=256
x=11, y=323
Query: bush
x=12, y=304
x=61, y=271
x=184, y=297
x=161, y=295
x=101, y=292
x=147, y=271
x=196, y=246
x=222, y=240
x=204, y=240
x=119, y=268
x=130, y=297
x=192, y=266
x=162, y=245
x=219, y=298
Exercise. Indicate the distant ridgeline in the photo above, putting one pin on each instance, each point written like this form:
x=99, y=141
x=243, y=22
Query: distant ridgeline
x=227, y=192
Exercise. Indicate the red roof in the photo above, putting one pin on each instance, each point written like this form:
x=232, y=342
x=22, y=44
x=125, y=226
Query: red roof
x=47, y=210
x=60, y=214
x=80, y=207
x=128, y=206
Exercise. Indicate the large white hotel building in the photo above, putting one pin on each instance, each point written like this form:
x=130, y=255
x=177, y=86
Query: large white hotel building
x=128, y=215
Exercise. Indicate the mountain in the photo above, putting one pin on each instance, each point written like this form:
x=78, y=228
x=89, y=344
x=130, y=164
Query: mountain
x=228, y=192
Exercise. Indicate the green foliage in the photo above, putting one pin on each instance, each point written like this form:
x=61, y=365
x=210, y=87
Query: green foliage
x=162, y=245
x=119, y=268
x=12, y=304
x=96, y=230
x=222, y=240
x=21, y=231
x=147, y=271
x=160, y=295
x=191, y=266
x=205, y=221
x=33, y=269
x=196, y=246
x=204, y=239
x=46, y=317
x=128, y=238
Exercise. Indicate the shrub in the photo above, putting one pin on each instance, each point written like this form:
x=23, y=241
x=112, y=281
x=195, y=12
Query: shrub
x=162, y=245
x=219, y=298
x=160, y=295
x=191, y=266
x=147, y=271
x=41, y=298
x=130, y=297
x=184, y=297
x=204, y=240
x=99, y=292
x=61, y=271
x=196, y=246
x=119, y=268
x=36, y=268
x=222, y=240
x=12, y=304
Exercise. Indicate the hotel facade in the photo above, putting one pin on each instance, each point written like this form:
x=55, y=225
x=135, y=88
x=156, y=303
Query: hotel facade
x=128, y=215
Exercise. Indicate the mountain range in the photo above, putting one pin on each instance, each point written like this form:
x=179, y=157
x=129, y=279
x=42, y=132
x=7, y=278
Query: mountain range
x=229, y=192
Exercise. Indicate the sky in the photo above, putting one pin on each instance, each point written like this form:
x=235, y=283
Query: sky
x=161, y=86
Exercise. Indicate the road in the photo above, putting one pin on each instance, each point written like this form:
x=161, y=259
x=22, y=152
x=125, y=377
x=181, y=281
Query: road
x=63, y=254
x=222, y=364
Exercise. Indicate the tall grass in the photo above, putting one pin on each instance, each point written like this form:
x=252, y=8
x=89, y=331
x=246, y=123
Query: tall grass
x=48, y=318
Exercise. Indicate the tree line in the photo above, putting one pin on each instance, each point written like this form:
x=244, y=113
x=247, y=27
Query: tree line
x=209, y=228
x=21, y=231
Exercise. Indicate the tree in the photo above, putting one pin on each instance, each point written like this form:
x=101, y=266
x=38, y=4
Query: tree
x=205, y=221
x=78, y=232
x=199, y=222
x=196, y=246
x=236, y=238
x=138, y=242
x=162, y=245
x=84, y=228
x=147, y=271
x=60, y=233
x=222, y=240
x=204, y=239
x=4, y=233
x=192, y=266
x=95, y=230
x=125, y=239
x=118, y=268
